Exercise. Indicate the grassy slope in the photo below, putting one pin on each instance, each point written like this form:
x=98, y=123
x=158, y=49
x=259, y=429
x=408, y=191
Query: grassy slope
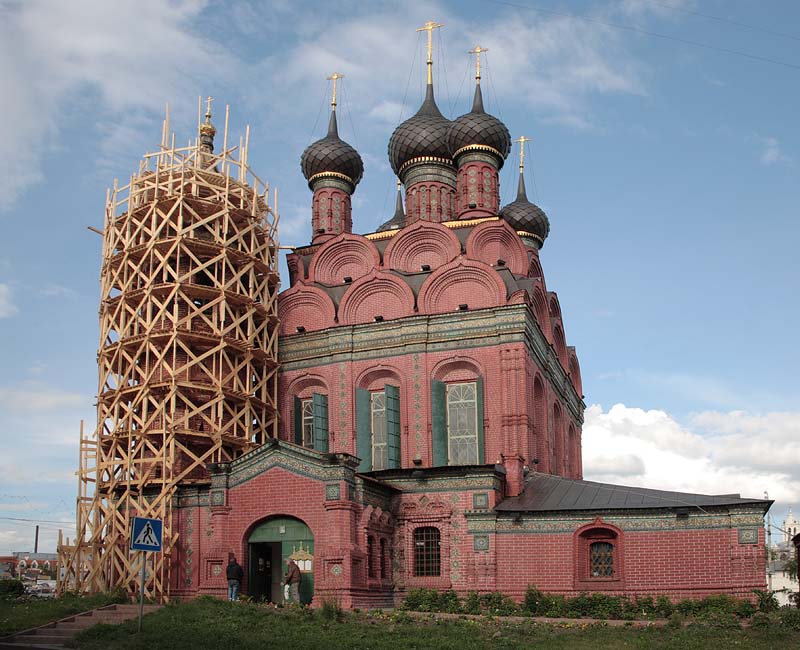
x=16, y=616
x=211, y=624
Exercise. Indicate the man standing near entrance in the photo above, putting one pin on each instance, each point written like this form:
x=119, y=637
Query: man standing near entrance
x=292, y=580
x=234, y=573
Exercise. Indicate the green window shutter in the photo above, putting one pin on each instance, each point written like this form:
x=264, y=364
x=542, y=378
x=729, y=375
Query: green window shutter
x=393, y=424
x=479, y=404
x=363, y=430
x=439, y=422
x=298, y=421
x=320, y=405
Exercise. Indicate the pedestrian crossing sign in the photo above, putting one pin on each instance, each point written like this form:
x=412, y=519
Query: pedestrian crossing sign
x=146, y=534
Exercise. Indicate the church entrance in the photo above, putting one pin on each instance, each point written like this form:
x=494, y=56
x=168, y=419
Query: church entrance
x=269, y=545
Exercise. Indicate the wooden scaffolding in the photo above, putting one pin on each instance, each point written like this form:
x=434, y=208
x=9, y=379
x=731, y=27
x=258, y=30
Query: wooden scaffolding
x=187, y=359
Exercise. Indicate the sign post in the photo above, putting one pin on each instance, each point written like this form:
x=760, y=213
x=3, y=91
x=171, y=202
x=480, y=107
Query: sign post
x=146, y=535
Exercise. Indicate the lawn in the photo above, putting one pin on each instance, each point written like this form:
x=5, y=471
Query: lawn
x=25, y=614
x=206, y=623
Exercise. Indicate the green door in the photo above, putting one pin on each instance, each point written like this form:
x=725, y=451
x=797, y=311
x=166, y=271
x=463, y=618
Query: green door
x=295, y=541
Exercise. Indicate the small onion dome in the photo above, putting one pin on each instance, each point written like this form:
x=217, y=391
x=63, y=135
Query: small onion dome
x=524, y=216
x=331, y=155
x=479, y=129
x=398, y=219
x=423, y=135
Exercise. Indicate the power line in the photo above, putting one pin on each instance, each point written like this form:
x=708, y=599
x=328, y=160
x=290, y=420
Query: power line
x=37, y=521
x=639, y=30
x=725, y=20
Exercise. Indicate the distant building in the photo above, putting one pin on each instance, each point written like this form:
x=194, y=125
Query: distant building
x=781, y=553
x=29, y=566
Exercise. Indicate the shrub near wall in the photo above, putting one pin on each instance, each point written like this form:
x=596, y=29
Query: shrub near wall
x=722, y=610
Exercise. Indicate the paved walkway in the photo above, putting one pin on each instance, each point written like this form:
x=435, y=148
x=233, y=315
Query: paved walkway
x=53, y=636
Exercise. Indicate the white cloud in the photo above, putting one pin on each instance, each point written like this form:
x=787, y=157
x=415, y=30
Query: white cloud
x=770, y=151
x=122, y=58
x=57, y=291
x=717, y=453
x=7, y=306
x=33, y=397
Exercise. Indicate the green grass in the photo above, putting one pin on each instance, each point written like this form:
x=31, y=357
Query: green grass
x=22, y=615
x=206, y=623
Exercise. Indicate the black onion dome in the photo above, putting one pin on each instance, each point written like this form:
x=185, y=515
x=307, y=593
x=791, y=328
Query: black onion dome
x=398, y=219
x=332, y=154
x=479, y=128
x=423, y=134
x=522, y=215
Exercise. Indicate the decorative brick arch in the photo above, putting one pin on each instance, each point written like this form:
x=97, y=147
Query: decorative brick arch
x=421, y=243
x=462, y=281
x=540, y=427
x=540, y=311
x=496, y=240
x=305, y=306
x=552, y=305
x=377, y=294
x=458, y=368
x=575, y=371
x=347, y=255
x=378, y=375
x=535, y=268
x=560, y=342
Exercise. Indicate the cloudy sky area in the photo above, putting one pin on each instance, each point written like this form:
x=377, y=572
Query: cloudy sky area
x=669, y=172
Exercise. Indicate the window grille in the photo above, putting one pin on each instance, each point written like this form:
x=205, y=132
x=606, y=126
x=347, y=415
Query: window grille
x=601, y=560
x=427, y=554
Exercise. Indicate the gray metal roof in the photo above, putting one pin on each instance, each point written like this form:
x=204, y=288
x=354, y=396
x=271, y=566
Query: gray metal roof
x=544, y=492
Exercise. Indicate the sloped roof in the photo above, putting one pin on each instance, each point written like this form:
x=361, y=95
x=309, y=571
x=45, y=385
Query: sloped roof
x=544, y=492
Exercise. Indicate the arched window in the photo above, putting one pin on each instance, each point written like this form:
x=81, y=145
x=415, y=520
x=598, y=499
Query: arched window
x=427, y=553
x=457, y=425
x=378, y=426
x=311, y=421
x=599, y=556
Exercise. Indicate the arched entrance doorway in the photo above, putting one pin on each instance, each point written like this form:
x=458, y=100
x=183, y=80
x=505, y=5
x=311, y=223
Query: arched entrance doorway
x=270, y=543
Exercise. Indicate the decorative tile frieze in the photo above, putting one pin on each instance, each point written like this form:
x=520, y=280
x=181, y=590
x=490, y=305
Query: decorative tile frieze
x=217, y=497
x=480, y=543
x=332, y=492
x=748, y=535
x=480, y=500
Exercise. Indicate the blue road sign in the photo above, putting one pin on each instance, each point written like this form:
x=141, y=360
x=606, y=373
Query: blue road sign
x=146, y=534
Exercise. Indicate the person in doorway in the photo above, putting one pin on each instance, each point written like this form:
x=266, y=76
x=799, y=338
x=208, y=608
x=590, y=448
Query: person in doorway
x=292, y=580
x=234, y=573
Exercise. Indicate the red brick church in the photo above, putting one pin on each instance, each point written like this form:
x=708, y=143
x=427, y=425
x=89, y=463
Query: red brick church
x=431, y=411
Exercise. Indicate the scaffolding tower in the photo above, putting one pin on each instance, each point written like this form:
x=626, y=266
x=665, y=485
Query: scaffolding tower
x=187, y=360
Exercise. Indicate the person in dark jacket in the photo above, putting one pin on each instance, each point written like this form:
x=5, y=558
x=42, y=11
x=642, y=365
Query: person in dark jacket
x=234, y=573
x=292, y=580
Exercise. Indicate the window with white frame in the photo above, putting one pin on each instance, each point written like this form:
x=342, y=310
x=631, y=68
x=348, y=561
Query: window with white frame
x=308, y=422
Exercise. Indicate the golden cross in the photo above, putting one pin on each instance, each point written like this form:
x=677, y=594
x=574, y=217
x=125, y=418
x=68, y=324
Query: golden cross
x=333, y=78
x=522, y=140
x=208, y=108
x=477, y=52
x=429, y=27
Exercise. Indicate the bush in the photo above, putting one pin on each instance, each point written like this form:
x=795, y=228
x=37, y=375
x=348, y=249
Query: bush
x=10, y=589
x=331, y=610
x=790, y=617
x=766, y=601
x=498, y=604
x=760, y=620
x=472, y=603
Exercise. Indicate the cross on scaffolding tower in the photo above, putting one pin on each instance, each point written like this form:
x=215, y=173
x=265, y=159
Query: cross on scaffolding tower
x=429, y=27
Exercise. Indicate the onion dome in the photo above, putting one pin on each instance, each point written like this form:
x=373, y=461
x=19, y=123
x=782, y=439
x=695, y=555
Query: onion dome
x=423, y=135
x=332, y=156
x=398, y=219
x=524, y=216
x=478, y=129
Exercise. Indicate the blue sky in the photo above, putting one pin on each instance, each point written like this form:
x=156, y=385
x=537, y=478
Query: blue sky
x=669, y=172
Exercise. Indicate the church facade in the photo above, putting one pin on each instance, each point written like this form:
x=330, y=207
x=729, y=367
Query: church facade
x=431, y=412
